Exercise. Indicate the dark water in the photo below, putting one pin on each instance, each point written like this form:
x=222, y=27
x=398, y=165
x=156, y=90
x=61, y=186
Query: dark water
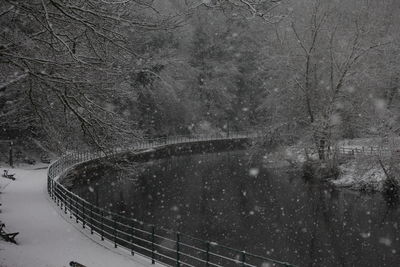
x=225, y=198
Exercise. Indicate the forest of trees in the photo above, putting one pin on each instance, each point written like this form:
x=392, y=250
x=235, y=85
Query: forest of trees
x=107, y=72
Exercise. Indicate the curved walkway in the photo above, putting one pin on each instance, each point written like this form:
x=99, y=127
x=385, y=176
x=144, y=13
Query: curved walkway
x=46, y=238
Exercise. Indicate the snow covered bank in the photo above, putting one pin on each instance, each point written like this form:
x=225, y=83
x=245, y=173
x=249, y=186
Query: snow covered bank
x=363, y=172
x=46, y=236
x=358, y=176
x=360, y=171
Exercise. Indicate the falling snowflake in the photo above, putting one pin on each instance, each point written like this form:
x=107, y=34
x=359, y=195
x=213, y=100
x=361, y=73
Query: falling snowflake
x=365, y=235
x=254, y=172
x=385, y=241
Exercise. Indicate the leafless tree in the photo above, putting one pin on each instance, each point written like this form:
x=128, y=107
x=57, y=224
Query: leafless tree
x=68, y=57
x=330, y=53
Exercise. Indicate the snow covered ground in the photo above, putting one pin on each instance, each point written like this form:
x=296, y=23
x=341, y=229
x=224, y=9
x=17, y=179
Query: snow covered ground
x=358, y=176
x=361, y=172
x=46, y=236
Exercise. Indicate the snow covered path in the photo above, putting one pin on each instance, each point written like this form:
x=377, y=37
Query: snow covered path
x=46, y=236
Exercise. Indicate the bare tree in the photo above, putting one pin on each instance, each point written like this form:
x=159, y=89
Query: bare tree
x=68, y=57
x=329, y=59
x=263, y=9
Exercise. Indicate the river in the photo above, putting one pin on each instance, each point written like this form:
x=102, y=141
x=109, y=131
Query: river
x=233, y=200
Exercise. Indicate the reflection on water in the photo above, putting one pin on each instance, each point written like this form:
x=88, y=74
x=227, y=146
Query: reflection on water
x=224, y=198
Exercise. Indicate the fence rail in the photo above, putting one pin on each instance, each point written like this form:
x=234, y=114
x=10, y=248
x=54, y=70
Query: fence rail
x=357, y=151
x=154, y=242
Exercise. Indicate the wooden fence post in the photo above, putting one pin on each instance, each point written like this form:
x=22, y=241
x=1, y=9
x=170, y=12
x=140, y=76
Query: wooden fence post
x=207, y=253
x=178, y=263
x=152, y=245
x=115, y=233
x=102, y=226
x=243, y=258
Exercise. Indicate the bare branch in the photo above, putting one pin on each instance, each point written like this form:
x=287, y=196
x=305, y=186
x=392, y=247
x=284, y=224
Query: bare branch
x=3, y=86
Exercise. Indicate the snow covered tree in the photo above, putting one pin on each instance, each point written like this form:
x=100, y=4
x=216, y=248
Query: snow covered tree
x=68, y=59
x=327, y=48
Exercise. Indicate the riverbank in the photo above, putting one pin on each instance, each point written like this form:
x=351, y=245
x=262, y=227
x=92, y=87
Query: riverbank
x=46, y=236
x=358, y=166
x=363, y=172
